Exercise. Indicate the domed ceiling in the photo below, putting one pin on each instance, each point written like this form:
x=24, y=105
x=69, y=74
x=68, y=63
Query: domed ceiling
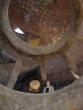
x=58, y=19
x=42, y=23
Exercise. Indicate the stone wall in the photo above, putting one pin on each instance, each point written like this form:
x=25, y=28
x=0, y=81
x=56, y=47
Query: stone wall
x=69, y=98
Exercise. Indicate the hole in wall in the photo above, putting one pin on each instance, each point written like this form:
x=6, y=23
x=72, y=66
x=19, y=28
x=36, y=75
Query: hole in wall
x=58, y=74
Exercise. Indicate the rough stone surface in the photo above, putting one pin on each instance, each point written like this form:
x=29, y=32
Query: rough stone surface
x=69, y=98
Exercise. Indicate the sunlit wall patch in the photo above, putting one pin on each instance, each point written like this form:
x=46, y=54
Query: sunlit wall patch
x=19, y=31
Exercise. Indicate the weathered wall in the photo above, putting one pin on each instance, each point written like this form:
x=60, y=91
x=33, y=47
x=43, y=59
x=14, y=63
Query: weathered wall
x=1, y=4
x=70, y=98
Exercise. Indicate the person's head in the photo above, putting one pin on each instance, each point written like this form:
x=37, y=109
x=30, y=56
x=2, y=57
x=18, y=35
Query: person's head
x=48, y=83
x=34, y=85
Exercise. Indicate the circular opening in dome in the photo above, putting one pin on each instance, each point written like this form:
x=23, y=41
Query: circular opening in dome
x=44, y=26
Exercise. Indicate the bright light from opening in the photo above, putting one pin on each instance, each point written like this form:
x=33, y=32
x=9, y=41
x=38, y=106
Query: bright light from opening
x=18, y=30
